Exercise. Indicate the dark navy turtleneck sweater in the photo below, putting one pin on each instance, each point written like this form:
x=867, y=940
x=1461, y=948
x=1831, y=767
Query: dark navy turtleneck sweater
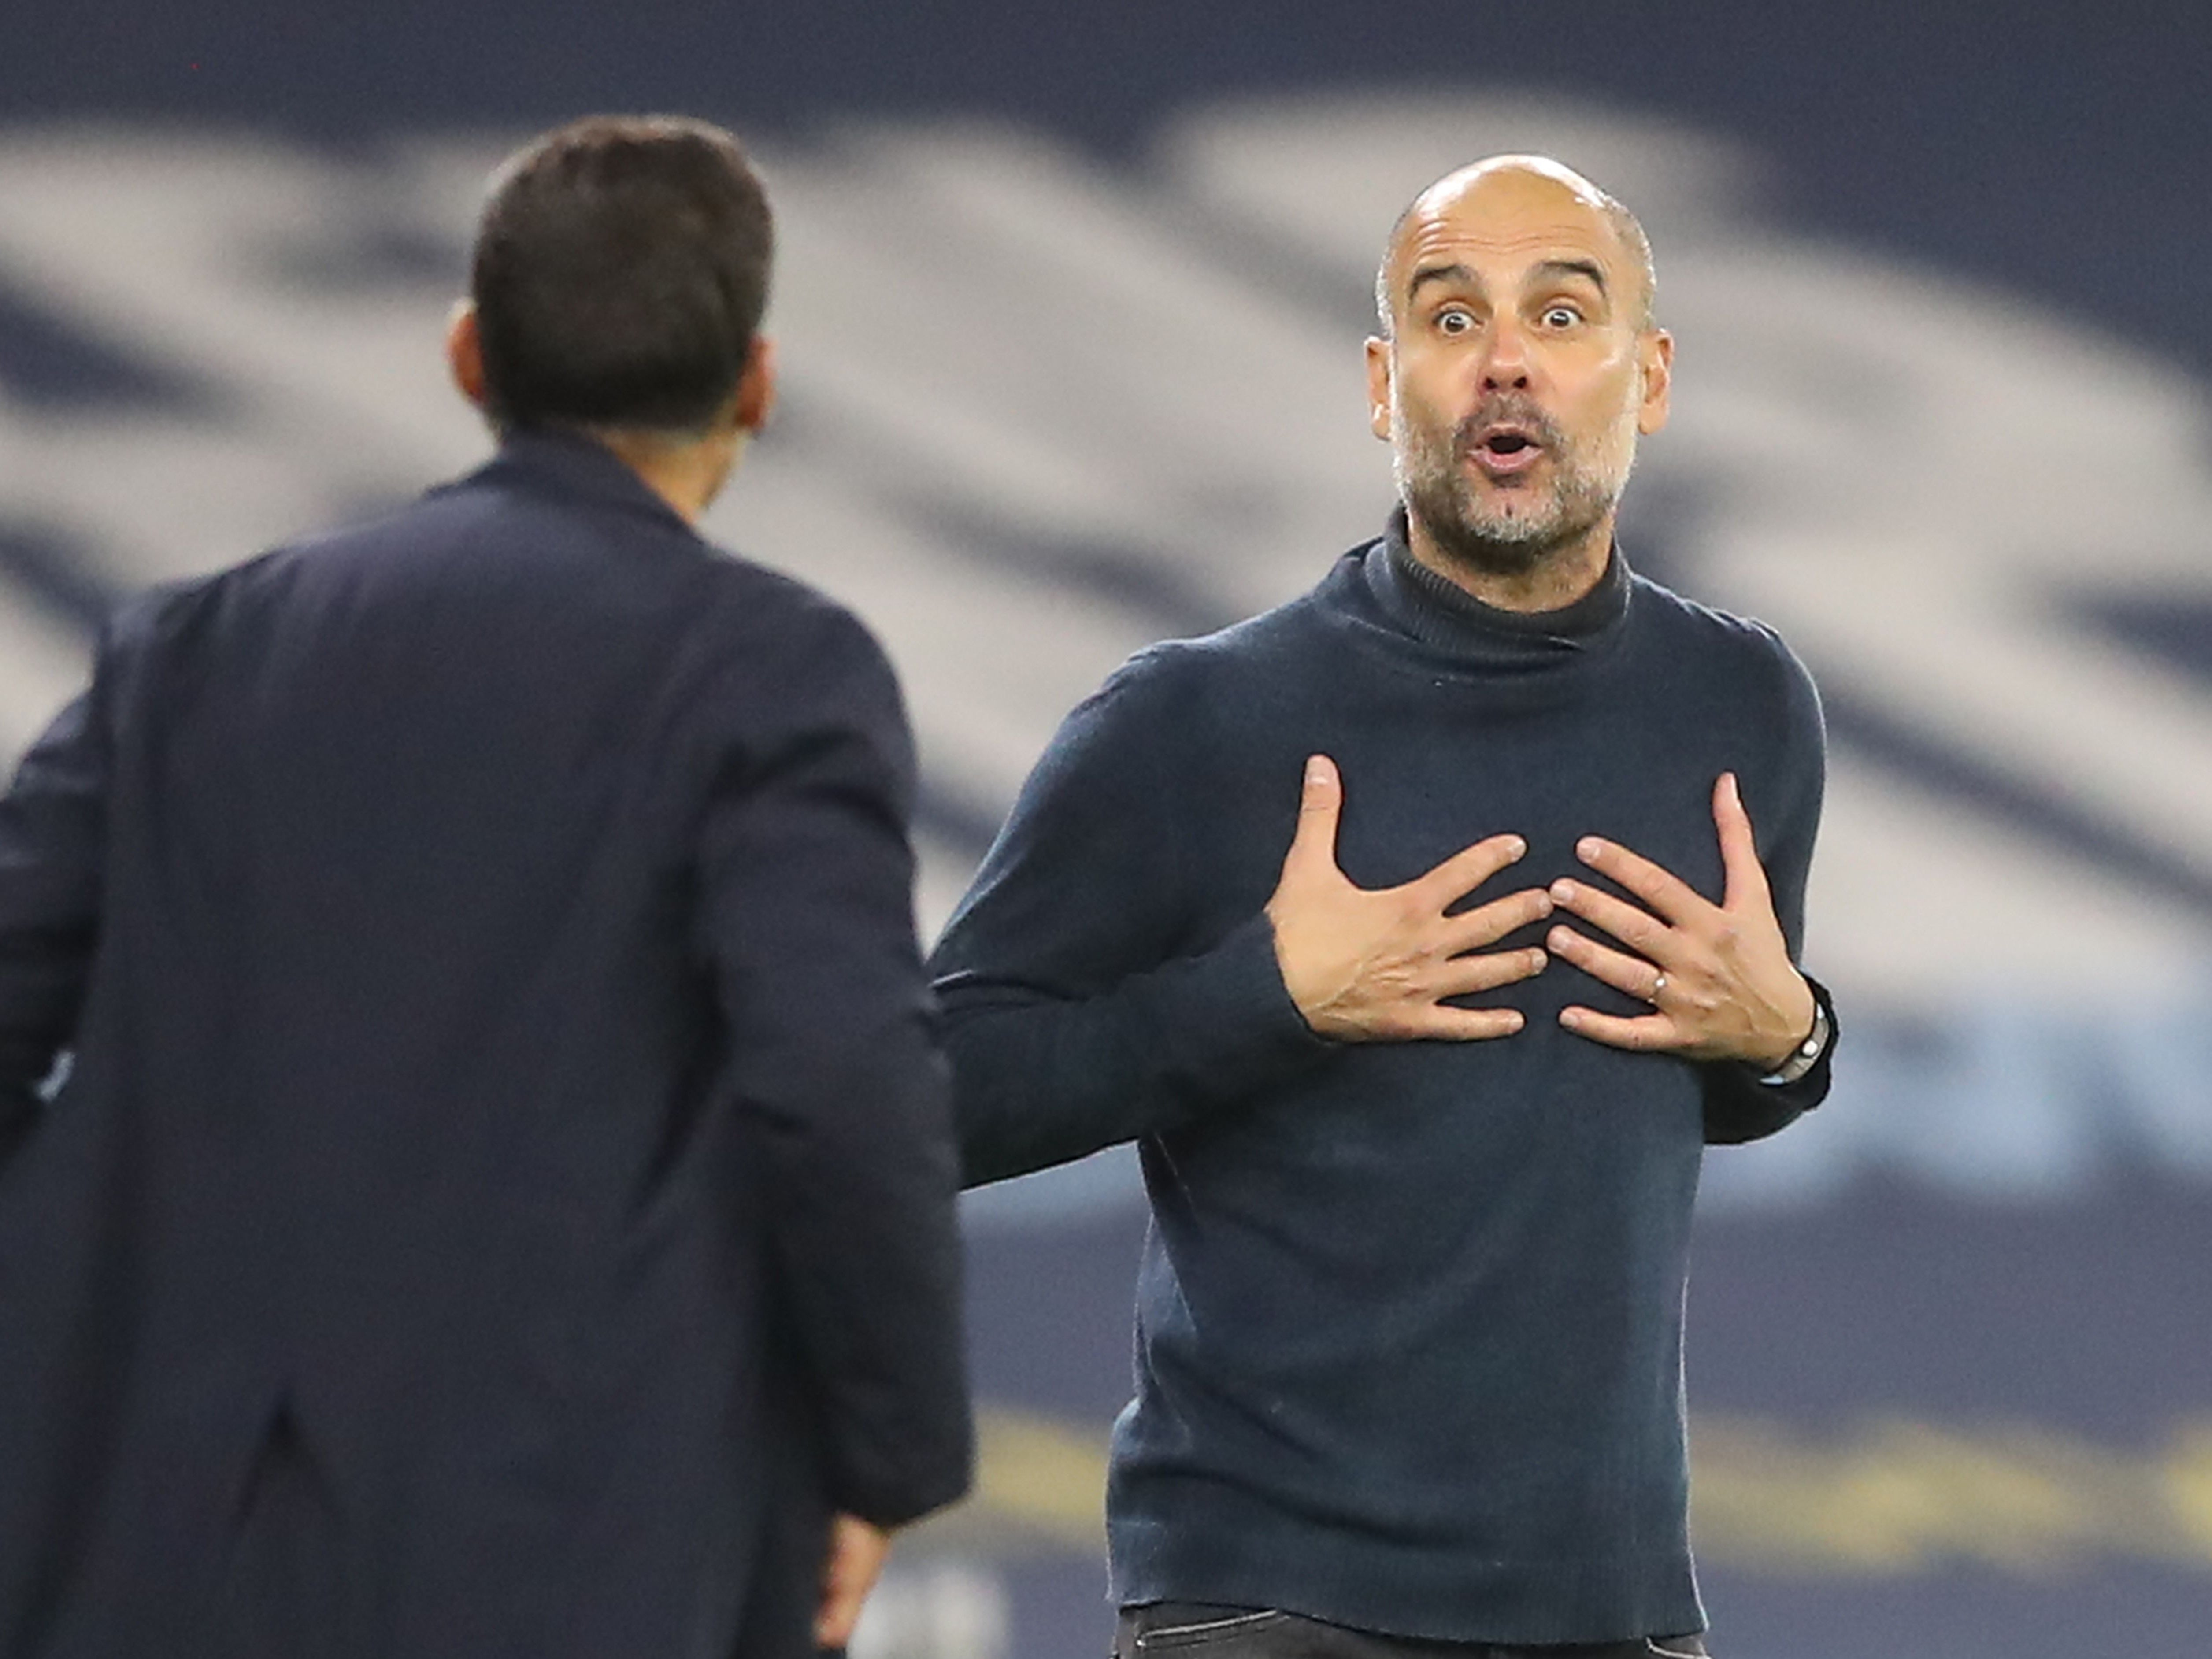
x=1409, y=1319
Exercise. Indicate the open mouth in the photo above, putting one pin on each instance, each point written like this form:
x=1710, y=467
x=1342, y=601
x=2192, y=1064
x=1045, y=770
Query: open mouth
x=1505, y=450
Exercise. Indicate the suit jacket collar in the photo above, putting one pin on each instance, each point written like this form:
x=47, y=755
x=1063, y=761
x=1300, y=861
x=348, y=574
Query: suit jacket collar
x=569, y=464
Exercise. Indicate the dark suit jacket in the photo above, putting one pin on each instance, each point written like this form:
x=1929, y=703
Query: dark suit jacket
x=502, y=1197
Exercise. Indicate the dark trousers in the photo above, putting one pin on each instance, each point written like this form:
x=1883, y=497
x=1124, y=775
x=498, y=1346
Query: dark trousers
x=1174, y=1629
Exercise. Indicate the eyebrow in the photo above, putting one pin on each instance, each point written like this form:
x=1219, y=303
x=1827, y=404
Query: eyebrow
x=1588, y=269
x=1437, y=274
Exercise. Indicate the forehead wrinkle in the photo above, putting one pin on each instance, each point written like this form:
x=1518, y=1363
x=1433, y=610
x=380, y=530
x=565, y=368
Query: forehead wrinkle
x=1580, y=215
x=1552, y=250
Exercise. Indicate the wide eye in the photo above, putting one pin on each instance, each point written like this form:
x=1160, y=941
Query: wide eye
x=1452, y=320
x=1561, y=316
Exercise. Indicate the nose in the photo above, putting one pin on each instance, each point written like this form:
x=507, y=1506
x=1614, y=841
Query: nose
x=1505, y=364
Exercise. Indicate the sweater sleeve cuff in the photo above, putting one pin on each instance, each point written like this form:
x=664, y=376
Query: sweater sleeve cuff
x=1739, y=1107
x=1808, y=1090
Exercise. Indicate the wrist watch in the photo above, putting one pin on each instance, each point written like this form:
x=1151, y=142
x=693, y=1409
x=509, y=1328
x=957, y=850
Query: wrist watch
x=1807, y=1055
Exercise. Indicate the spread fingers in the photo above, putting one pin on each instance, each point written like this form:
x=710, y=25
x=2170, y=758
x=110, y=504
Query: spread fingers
x=1638, y=929
x=1466, y=869
x=1487, y=924
x=1467, y=1024
x=1642, y=1031
x=1633, y=973
x=1462, y=976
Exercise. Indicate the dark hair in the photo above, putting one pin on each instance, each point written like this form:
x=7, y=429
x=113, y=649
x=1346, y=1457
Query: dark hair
x=620, y=272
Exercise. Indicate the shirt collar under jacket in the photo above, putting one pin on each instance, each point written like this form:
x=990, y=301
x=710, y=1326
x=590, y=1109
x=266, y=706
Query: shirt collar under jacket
x=1439, y=613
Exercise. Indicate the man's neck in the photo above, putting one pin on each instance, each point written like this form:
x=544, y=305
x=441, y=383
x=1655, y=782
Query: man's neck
x=687, y=473
x=1555, y=581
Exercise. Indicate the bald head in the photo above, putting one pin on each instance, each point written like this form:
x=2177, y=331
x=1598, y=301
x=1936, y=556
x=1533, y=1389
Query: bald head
x=1517, y=367
x=1515, y=178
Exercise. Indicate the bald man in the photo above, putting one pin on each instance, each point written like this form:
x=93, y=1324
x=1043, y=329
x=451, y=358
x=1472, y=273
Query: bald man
x=1420, y=934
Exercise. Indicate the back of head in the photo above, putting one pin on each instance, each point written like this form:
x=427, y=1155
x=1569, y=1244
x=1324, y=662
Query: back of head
x=620, y=273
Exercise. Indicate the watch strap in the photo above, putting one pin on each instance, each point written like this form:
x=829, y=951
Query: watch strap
x=1807, y=1055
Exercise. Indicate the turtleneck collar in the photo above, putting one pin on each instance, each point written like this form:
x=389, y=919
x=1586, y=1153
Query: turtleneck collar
x=1438, y=613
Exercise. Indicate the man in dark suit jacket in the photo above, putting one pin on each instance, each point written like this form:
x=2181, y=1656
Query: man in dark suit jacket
x=475, y=1175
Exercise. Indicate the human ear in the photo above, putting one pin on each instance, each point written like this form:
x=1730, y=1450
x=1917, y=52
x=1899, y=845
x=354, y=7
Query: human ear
x=1654, y=353
x=756, y=385
x=1378, y=387
x=465, y=352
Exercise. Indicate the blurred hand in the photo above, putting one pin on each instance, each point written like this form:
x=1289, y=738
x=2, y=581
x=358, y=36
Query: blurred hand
x=1366, y=966
x=1718, y=976
x=857, y=1550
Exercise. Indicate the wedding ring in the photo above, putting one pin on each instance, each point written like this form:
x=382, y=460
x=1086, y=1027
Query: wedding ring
x=1658, y=985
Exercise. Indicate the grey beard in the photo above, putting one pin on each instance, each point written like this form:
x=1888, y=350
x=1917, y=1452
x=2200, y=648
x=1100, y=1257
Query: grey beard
x=1435, y=488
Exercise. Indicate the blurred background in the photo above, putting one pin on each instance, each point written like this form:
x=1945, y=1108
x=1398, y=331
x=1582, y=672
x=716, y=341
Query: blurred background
x=1070, y=302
